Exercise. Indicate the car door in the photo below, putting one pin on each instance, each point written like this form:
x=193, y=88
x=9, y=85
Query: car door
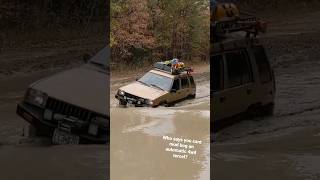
x=238, y=84
x=217, y=83
x=175, y=93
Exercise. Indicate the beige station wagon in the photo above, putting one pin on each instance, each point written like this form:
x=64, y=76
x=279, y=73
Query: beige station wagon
x=71, y=106
x=241, y=76
x=243, y=80
x=157, y=87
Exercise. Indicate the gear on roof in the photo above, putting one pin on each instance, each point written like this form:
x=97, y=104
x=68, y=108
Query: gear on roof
x=174, y=66
x=226, y=19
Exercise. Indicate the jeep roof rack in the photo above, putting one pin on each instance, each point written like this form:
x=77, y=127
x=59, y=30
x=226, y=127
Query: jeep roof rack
x=246, y=23
x=169, y=69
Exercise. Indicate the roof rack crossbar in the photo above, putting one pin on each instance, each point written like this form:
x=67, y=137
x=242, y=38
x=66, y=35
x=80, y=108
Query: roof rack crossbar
x=168, y=69
x=248, y=24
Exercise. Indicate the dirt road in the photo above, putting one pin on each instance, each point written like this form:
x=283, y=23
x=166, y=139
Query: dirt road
x=285, y=146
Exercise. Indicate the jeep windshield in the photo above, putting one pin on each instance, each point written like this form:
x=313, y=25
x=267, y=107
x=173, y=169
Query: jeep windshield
x=156, y=81
x=101, y=58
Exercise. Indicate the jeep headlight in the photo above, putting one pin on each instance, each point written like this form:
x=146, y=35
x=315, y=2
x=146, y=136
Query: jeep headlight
x=36, y=97
x=149, y=102
x=122, y=93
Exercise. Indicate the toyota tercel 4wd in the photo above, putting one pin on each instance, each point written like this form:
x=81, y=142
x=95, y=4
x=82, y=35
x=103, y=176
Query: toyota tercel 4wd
x=159, y=86
x=71, y=106
x=242, y=78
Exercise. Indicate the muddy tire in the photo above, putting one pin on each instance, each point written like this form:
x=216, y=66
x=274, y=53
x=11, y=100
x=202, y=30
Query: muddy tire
x=260, y=111
x=193, y=96
x=253, y=112
x=267, y=110
x=165, y=104
x=122, y=102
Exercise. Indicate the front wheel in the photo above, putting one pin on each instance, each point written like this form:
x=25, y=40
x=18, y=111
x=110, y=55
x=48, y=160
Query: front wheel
x=267, y=110
x=166, y=104
x=122, y=102
x=192, y=96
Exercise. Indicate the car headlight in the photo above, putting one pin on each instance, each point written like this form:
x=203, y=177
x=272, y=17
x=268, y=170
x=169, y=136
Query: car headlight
x=36, y=97
x=149, y=102
x=121, y=92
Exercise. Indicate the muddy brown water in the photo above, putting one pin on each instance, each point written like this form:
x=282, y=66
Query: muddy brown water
x=139, y=150
x=23, y=157
x=138, y=147
x=54, y=162
x=285, y=146
x=291, y=156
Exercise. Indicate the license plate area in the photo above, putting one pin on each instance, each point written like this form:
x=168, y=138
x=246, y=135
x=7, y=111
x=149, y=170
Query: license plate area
x=63, y=133
x=133, y=101
x=129, y=100
x=62, y=137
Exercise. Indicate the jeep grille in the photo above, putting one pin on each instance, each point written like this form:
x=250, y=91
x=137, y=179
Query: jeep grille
x=67, y=109
x=132, y=96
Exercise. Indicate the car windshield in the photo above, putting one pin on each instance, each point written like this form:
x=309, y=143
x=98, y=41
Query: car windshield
x=157, y=81
x=101, y=58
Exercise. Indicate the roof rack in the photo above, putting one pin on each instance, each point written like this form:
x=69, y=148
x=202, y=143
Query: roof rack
x=168, y=68
x=249, y=24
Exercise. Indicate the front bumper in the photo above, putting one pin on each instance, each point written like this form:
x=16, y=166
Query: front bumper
x=34, y=116
x=132, y=101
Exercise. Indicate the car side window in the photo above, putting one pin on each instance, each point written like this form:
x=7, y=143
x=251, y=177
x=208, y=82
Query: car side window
x=176, y=84
x=217, y=73
x=263, y=65
x=184, y=83
x=238, y=68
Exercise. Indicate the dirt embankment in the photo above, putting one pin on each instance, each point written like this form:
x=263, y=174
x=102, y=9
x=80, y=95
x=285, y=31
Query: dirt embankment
x=47, y=56
x=44, y=35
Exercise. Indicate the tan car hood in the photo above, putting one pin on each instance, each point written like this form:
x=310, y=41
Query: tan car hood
x=85, y=86
x=141, y=90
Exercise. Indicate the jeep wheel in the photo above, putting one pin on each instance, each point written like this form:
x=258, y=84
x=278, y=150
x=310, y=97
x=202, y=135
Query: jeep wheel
x=165, y=104
x=267, y=110
x=193, y=96
x=122, y=102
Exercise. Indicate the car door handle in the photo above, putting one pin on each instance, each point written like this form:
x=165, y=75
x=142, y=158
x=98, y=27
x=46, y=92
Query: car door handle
x=249, y=91
x=222, y=99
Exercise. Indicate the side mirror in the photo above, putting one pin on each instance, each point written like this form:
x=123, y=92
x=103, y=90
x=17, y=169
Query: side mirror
x=86, y=57
x=173, y=90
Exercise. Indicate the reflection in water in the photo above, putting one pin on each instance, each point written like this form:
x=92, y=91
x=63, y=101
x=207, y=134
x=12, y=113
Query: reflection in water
x=138, y=149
